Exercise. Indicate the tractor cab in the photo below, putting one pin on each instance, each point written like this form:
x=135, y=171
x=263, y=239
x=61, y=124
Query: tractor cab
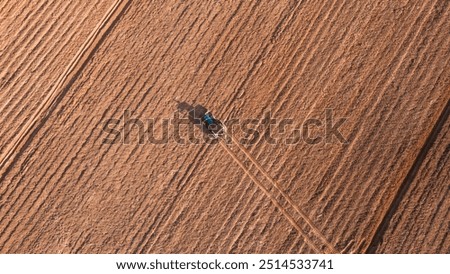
x=212, y=125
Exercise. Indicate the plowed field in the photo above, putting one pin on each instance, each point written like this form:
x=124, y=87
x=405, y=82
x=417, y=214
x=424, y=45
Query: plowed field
x=381, y=68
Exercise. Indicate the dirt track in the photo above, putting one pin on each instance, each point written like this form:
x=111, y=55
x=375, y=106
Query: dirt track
x=66, y=68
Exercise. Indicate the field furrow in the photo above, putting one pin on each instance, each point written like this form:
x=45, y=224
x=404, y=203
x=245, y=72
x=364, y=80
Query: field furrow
x=90, y=158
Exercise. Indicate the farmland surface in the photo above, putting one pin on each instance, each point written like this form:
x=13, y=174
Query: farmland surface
x=376, y=70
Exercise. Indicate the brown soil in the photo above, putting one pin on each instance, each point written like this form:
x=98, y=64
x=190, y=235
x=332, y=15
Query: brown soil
x=66, y=68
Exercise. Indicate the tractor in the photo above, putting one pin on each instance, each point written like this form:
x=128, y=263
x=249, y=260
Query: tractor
x=213, y=126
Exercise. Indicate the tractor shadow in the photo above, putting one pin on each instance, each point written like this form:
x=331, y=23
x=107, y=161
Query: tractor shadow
x=195, y=114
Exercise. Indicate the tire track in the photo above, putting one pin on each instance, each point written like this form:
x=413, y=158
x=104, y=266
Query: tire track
x=264, y=52
x=371, y=110
x=67, y=163
x=352, y=137
x=17, y=109
x=138, y=104
x=416, y=220
x=296, y=67
x=313, y=227
x=416, y=75
x=285, y=196
x=45, y=146
x=286, y=82
x=167, y=85
x=394, y=204
x=60, y=202
x=273, y=199
x=12, y=190
x=101, y=30
x=194, y=100
x=144, y=97
x=157, y=103
x=78, y=61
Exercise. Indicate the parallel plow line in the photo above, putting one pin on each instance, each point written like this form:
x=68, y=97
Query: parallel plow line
x=75, y=66
x=276, y=202
x=285, y=196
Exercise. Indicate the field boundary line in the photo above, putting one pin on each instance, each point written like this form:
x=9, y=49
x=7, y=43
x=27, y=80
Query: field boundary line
x=274, y=201
x=406, y=183
x=80, y=59
x=285, y=195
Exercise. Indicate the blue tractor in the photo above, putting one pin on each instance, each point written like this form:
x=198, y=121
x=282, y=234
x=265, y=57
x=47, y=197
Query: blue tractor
x=212, y=125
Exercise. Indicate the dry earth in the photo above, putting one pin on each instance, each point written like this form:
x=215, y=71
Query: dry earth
x=65, y=68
